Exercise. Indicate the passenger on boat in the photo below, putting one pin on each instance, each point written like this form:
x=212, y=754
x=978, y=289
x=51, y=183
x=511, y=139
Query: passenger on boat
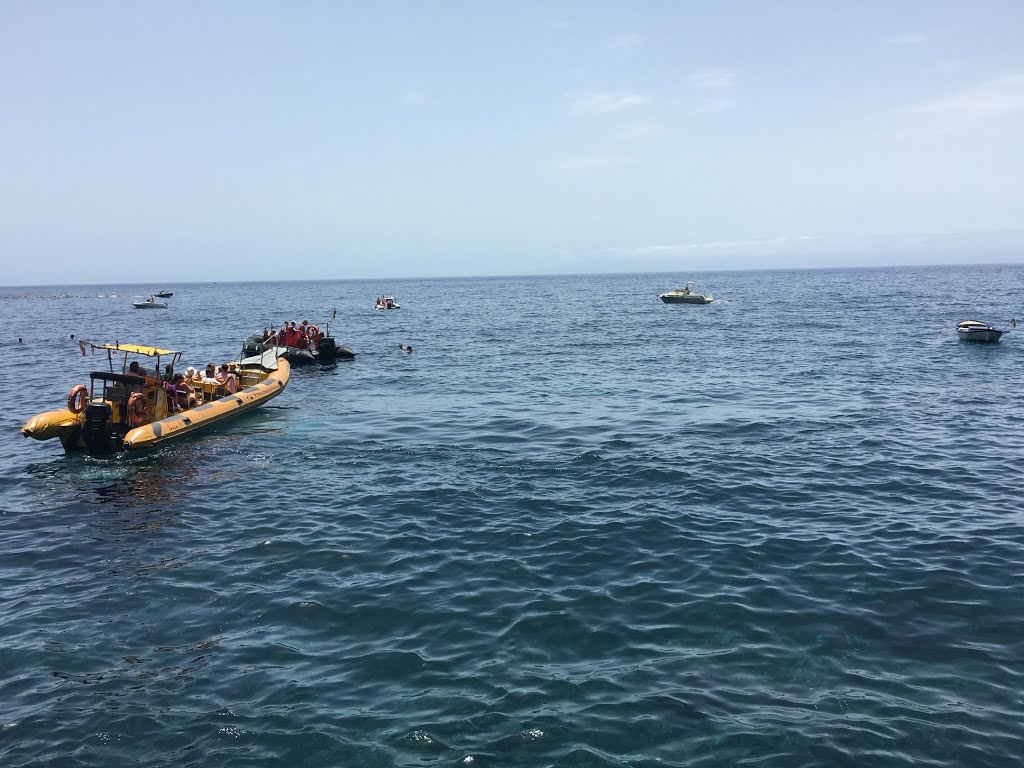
x=171, y=395
x=192, y=375
x=186, y=393
x=227, y=379
x=136, y=369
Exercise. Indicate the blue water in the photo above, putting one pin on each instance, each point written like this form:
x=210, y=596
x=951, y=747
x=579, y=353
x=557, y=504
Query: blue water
x=575, y=527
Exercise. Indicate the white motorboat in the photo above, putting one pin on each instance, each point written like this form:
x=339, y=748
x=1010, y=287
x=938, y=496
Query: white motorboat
x=975, y=330
x=150, y=303
x=386, y=302
x=686, y=295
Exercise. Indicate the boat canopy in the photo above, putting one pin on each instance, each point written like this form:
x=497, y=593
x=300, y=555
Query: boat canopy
x=134, y=349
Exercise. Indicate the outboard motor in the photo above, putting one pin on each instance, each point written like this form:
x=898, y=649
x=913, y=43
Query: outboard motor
x=329, y=351
x=254, y=345
x=326, y=348
x=97, y=429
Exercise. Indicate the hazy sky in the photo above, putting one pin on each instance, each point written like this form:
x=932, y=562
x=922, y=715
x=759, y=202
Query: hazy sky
x=257, y=140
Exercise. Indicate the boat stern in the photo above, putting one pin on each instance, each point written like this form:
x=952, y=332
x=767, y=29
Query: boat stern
x=44, y=426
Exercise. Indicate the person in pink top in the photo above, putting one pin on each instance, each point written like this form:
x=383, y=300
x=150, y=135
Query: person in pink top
x=227, y=379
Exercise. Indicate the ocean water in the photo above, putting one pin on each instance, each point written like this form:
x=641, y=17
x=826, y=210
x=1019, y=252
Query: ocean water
x=575, y=527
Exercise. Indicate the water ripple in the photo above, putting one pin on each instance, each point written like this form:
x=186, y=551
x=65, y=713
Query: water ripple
x=575, y=527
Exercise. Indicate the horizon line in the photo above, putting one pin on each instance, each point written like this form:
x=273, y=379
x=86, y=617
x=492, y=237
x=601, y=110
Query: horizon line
x=540, y=274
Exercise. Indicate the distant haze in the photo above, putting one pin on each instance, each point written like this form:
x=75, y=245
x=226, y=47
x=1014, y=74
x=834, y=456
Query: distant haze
x=177, y=142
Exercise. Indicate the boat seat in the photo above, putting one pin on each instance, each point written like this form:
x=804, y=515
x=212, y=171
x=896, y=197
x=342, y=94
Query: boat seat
x=208, y=390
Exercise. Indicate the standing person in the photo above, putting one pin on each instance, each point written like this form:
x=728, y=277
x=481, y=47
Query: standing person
x=334, y=313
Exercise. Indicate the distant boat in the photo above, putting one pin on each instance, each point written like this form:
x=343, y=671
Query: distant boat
x=150, y=303
x=386, y=302
x=686, y=295
x=163, y=294
x=975, y=330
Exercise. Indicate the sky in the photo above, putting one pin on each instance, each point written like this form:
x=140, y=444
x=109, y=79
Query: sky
x=330, y=140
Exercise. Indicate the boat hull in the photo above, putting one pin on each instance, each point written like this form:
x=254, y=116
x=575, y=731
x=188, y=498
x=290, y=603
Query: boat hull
x=975, y=330
x=990, y=336
x=692, y=298
x=203, y=416
x=61, y=423
x=149, y=304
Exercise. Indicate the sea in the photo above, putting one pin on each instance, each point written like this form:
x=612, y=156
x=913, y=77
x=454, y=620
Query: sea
x=574, y=527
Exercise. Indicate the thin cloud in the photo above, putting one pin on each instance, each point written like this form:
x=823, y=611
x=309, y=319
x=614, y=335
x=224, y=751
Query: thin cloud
x=711, y=106
x=626, y=42
x=557, y=24
x=599, y=101
x=983, y=102
x=910, y=38
x=773, y=243
x=588, y=162
x=713, y=79
x=641, y=130
x=414, y=98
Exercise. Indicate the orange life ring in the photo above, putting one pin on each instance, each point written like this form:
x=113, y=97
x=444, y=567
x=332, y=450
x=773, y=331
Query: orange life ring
x=78, y=398
x=138, y=408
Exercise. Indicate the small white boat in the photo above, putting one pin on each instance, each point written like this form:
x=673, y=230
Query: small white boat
x=975, y=330
x=150, y=303
x=686, y=295
x=386, y=302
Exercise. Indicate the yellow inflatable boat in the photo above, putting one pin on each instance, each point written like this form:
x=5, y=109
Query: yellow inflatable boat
x=131, y=410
